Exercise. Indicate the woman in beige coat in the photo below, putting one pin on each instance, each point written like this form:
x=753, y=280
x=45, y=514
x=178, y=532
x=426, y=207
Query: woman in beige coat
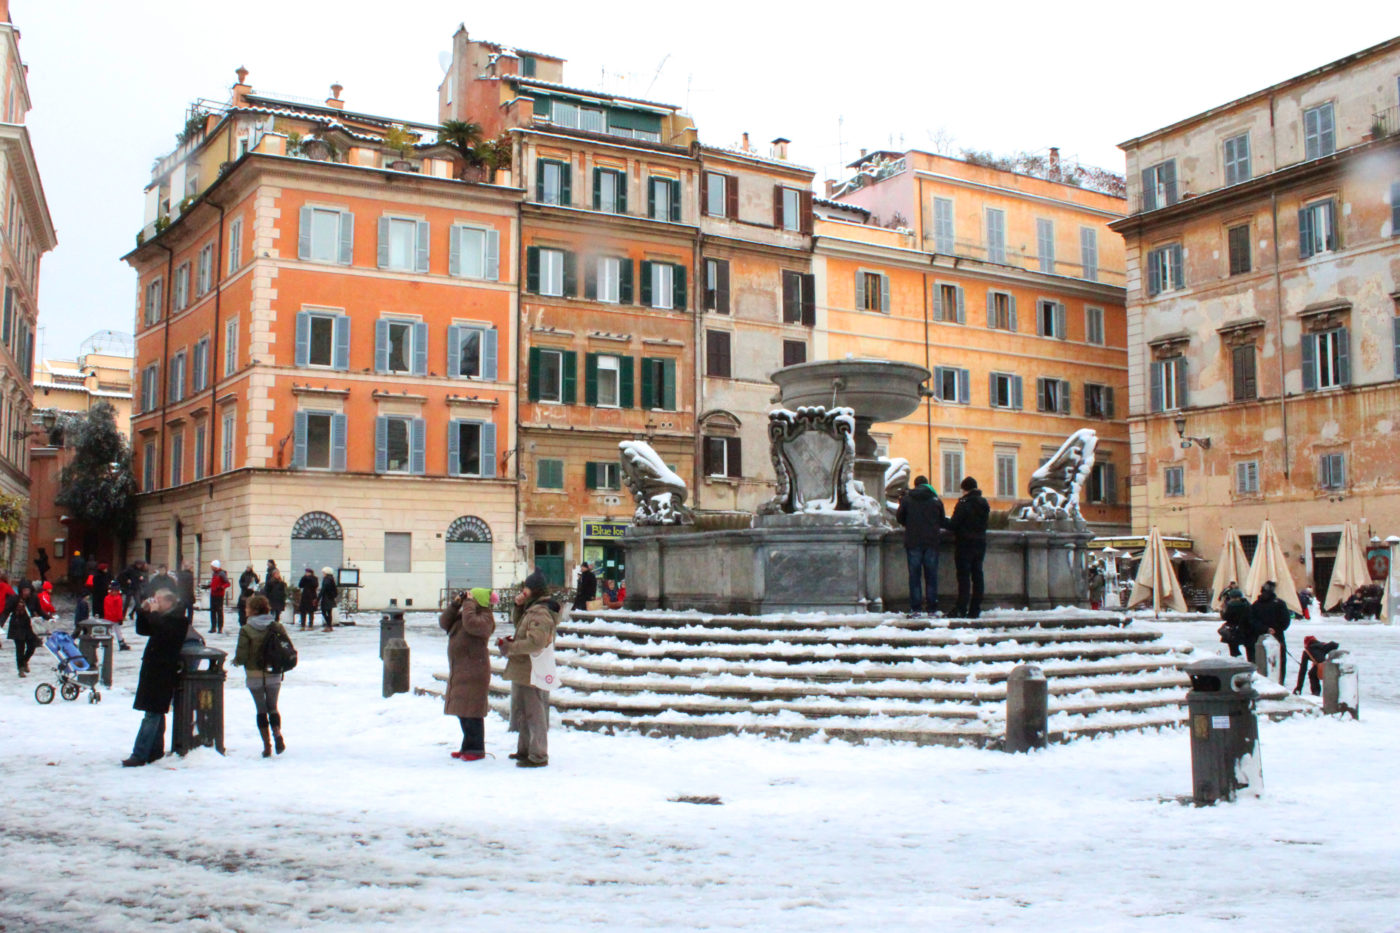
x=469, y=622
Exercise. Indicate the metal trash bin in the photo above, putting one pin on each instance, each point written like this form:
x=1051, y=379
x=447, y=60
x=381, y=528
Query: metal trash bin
x=1225, y=758
x=93, y=635
x=390, y=627
x=199, y=699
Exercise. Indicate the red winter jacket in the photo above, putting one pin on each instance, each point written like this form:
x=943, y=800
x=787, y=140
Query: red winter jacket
x=112, y=607
x=218, y=584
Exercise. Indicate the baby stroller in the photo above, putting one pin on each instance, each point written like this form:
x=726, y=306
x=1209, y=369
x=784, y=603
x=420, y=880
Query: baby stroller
x=74, y=671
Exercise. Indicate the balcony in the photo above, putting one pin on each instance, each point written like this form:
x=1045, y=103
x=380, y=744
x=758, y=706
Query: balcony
x=1385, y=122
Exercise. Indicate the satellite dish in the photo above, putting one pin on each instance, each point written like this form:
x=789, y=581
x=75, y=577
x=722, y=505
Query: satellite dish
x=445, y=61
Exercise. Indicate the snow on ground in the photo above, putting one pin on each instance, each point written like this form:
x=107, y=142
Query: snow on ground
x=366, y=820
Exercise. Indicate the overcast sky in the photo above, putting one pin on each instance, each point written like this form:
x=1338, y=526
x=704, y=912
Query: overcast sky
x=110, y=81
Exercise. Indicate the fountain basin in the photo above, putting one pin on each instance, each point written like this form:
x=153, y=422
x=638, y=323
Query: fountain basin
x=877, y=390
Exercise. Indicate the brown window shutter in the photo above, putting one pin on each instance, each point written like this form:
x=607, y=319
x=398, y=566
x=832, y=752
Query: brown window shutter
x=735, y=466
x=731, y=197
x=711, y=456
x=704, y=192
x=809, y=299
x=778, y=207
x=806, y=201
x=792, y=297
x=722, y=296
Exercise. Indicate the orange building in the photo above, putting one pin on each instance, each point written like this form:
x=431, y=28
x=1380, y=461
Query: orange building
x=1009, y=288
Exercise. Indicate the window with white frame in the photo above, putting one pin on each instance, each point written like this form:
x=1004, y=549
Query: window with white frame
x=716, y=187
x=1001, y=311
x=397, y=444
x=1103, y=484
x=791, y=209
x=553, y=182
x=1247, y=478
x=662, y=284
x=469, y=252
x=227, y=436
x=200, y=439
x=199, y=372
x=230, y=346
x=952, y=462
x=402, y=236
x=1319, y=132
x=180, y=289
x=663, y=198
x=176, y=377
x=205, y=279
x=1004, y=390
x=321, y=345
x=874, y=291
x=470, y=359
x=609, y=375
x=401, y=349
x=468, y=448
x=152, y=303
x=948, y=304
x=1326, y=359
x=951, y=384
x=551, y=370
x=1317, y=228
x=1332, y=471
x=551, y=272
x=604, y=475
x=609, y=279
x=1052, y=395
x=1237, y=159
x=944, y=239
x=1006, y=474
x=1168, y=384
x=609, y=190
x=1093, y=326
x=1164, y=270
x=1174, y=481
x=177, y=458
x=150, y=383
x=1098, y=400
x=235, y=244
x=1050, y=318
x=325, y=235
x=723, y=457
x=996, y=235
x=1159, y=185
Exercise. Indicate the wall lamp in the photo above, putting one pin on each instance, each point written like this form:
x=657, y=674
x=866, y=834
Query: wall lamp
x=48, y=420
x=1202, y=442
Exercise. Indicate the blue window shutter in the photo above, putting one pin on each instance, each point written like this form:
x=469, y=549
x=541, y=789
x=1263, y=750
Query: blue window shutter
x=1016, y=396
x=420, y=348
x=1158, y=400
x=1154, y=272
x=1183, y=395
x=454, y=351
x=299, y=446
x=1343, y=339
x=454, y=250
x=939, y=314
x=860, y=290
x=381, y=346
x=381, y=444
x=1169, y=179
x=493, y=255
x=962, y=310
x=1064, y=397
x=342, y=342
x=454, y=447
x=885, y=293
x=964, y=386
x=418, y=429
x=1011, y=300
x=489, y=351
x=1330, y=209
x=1395, y=339
x=338, y=439
x=1310, y=362
x=991, y=309
x=384, y=242
x=304, y=235
x=488, y=449
x=425, y=233
x=303, y=349
x=347, y=238
x=992, y=390
x=1178, y=277
x=1305, y=236
x=1060, y=330
x=1149, y=190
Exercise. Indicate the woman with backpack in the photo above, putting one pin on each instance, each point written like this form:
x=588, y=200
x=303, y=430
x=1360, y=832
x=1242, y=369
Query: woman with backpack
x=262, y=644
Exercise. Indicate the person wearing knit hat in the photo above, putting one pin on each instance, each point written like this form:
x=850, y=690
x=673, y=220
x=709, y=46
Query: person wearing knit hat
x=469, y=623
x=1315, y=651
x=536, y=619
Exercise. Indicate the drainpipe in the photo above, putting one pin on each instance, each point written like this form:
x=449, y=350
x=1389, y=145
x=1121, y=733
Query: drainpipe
x=697, y=451
x=211, y=370
x=167, y=302
x=522, y=555
x=928, y=364
x=1278, y=297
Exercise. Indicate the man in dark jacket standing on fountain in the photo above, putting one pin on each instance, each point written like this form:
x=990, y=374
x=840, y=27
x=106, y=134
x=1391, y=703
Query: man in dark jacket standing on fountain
x=969, y=525
x=921, y=513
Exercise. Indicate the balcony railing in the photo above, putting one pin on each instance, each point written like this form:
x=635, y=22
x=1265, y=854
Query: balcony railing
x=1385, y=122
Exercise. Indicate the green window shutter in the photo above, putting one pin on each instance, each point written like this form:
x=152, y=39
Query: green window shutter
x=570, y=376
x=534, y=388
x=624, y=381
x=597, y=189
x=570, y=275
x=648, y=398
x=668, y=389
x=624, y=280
x=678, y=288
x=675, y=200
x=566, y=172
x=539, y=179
x=590, y=277
x=532, y=269
x=646, y=284
x=590, y=379
x=651, y=198
x=621, y=206
x=590, y=475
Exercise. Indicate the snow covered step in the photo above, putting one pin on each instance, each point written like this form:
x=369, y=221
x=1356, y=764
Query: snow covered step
x=1061, y=618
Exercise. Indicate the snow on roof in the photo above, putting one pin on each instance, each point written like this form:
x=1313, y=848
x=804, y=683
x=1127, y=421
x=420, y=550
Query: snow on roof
x=554, y=85
x=749, y=154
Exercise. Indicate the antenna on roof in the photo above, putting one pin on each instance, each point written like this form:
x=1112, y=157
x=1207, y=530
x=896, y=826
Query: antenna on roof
x=445, y=61
x=664, y=59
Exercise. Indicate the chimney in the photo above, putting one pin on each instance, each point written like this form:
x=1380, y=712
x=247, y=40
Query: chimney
x=830, y=187
x=4, y=11
x=862, y=153
x=745, y=144
x=1055, y=164
x=779, y=150
x=334, y=100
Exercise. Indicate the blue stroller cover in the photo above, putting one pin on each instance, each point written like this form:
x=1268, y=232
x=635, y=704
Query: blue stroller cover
x=62, y=647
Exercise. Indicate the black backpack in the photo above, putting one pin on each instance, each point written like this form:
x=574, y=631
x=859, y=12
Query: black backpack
x=279, y=655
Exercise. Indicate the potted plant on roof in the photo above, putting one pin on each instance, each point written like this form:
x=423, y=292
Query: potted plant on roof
x=463, y=136
x=401, y=140
x=317, y=149
x=493, y=155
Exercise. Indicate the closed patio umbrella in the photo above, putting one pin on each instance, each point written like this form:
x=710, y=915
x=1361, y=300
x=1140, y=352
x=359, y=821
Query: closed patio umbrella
x=1271, y=564
x=1230, y=567
x=1156, y=579
x=1350, y=572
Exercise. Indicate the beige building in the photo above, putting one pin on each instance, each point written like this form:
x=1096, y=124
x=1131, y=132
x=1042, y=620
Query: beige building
x=1263, y=262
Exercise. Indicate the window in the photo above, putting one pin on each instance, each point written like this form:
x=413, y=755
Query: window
x=717, y=353
x=205, y=279
x=1045, y=244
x=1326, y=360
x=717, y=285
x=235, y=244
x=323, y=339
x=1052, y=395
x=658, y=278
x=799, y=298
x=1006, y=474
x=152, y=303
x=401, y=347
x=1174, y=481
x=604, y=475
x=150, y=387
x=1242, y=363
x=180, y=288
x=474, y=252
x=720, y=195
x=1089, y=252
x=552, y=182
x=664, y=199
x=199, y=375
x=1319, y=137
x=177, y=458
x=1164, y=269
x=609, y=191
x=1093, y=326
x=723, y=457
x=792, y=209
x=1169, y=384
x=471, y=352
x=1238, y=239
x=1050, y=319
x=1331, y=471
x=943, y=239
x=952, y=385
x=1247, y=480
x=873, y=291
x=200, y=438
x=1005, y=391
x=609, y=279
x=607, y=381
x=1098, y=400
x=176, y=377
x=471, y=448
x=1317, y=228
x=552, y=375
x=996, y=235
x=948, y=305
x=230, y=346
x=403, y=244
x=1237, y=159
x=1159, y=185
x=398, y=552
x=148, y=467
x=549, y=474
x=1103, y=484
x=794, y=352
x=326, y=235
x=226, y=433
x=527, y=66
x=658, y=384
x=550, y=272
x=952, y=472
x=399, y=444
x=8, y=325
x=1001, y=311
x=320, y=441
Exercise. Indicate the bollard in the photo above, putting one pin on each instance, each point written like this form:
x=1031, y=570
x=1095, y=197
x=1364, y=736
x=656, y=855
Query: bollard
x=1340, y=686
x=1225, y=757
x=395, y=667
x=1027, y=709
x=199, y=699
x=1267, y=657
x=390, y=627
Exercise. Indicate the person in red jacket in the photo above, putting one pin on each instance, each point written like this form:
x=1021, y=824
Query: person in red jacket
x=114, y=611
x=218, y=585
x=46, y=601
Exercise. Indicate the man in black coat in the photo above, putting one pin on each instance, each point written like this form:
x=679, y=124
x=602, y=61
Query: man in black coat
x=162, y=620
x=1269, y=616
x=969, y=526
x=20, y=610
x=921, y=513
x=132, y=581
x=185, y=578
x=587, y=587
x=101, y=584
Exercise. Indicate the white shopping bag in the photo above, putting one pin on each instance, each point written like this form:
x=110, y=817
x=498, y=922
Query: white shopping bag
x=543, y=674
